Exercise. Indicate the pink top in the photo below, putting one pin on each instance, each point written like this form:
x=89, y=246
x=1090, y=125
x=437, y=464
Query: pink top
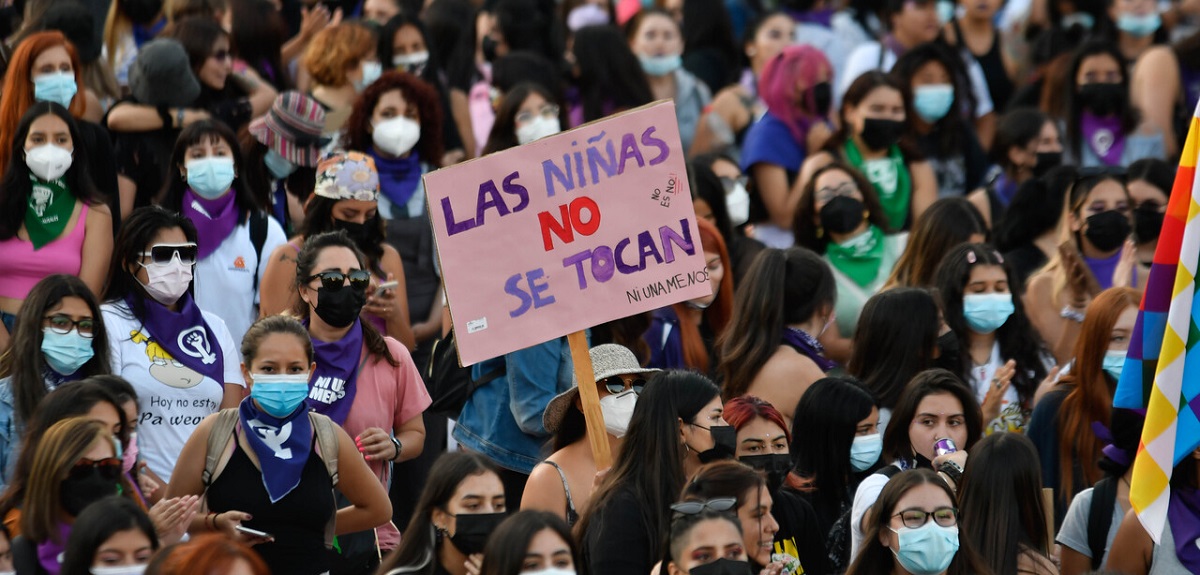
x=386, y=397
x=24, y=267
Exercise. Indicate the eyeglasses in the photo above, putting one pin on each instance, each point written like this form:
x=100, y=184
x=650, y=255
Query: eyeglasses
x=108, y=468
x=162, y=254
x=616, y=384
x=844, y=189
x=915, y=518
x=720, y=504
x=333, y=280
x=222, y=55
x=730, y=183
x=62, y=324
x=546, y=111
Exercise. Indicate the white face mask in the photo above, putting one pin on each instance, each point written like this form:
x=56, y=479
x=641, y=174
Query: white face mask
x=48, y=162
x=617, y=411
x=539, y=128
x=396, y=136
x=551, y=571
x=167, y=282
x=412, y=63
x=119, y=570
x=737, y=201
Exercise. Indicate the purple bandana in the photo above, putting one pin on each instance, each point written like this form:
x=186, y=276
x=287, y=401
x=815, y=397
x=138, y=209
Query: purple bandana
x=1103, y=268
x=822, y=17
x=1104, y=137
x=185, y=336
x=891, y=43
x=332, y=391
x=282, y=445
x=50, y=552
x=808, y=346
x=1184, y=514
x=214, y=219
x=1005, y=189
x=398, y=178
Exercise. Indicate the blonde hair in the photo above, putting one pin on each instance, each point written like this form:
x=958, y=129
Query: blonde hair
x=64, y=444
x=335, y=50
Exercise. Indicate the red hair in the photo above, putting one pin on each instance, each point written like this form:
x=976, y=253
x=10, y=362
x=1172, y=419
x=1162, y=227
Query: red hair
x=695, y=355
x=211, y=554
x=742, y=410
x=18, y=86
x=415, y=92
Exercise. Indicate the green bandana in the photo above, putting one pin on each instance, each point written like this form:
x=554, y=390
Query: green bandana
x=858, y=258
x=49, y=210
x=891, y=179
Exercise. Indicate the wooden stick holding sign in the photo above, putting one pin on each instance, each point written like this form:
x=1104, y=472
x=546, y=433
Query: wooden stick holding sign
x=590, y=398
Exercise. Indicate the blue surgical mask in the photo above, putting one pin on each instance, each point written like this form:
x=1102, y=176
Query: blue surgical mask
x=986, y=312
x=279, y=394
x=945, y=10
x=865, y=450
x=371, y=71
x=1139, y=26
x=210, y=177
x=57, y=87
x=1081, y=19
x=928, y=549
x=279, y=166
x=933, y=101
x=65, y=353
x=660, y=65
x=1114, y=362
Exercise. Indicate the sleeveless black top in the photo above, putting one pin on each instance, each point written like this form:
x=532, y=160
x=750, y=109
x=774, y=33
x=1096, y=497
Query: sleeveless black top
x=1000, y=87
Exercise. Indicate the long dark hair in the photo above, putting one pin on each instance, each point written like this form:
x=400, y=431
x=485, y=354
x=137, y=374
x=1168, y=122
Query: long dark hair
x=721, y=479
x=827, y=419
x=608, y=72
x=504, y=130
x=1035, y=209
x=25, y=363
x=896, y=442
x=259, y=33
x=17, y=183
x=137, y=232
x=1018, y=340
x=855, y=94
x=418, y=548
x=782, y=287
x=1001, y=494
x=387, y=37
x=96, y=524
x=416, y=92
x=670, y=397
x=1016, y=129
x=947, y=223
x=245, y=197
x=809, y=233
x=1128, y=114
x=897, y=331
x=318, y=219
x=707, y=31
x=506, y=548
x=307, y=258
x=875, y=557
x=952, y=131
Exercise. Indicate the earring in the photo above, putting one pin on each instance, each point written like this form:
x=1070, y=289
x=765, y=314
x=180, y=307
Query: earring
x=820, y=232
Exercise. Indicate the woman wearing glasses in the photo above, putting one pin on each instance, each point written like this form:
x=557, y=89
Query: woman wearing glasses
x=364, y=381
x=179, y=358
x=562, y=484
x=528, y=112
x=916, y=531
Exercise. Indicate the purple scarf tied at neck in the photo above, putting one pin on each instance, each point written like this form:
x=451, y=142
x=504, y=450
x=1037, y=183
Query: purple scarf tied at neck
x=282, y=445
x=1183, y=512
x=808, y=346
x=1104, y=137
x=50, y=552
x=214, y=219
x=185, y=336
x=398, y=178
x=332, y=388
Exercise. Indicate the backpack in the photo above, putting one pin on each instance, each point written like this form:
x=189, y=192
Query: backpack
x=258, y=237
x=1104, y=499
x=450, y=384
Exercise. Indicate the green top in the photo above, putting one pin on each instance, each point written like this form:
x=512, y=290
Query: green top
x=851, y=295
x=893, y=183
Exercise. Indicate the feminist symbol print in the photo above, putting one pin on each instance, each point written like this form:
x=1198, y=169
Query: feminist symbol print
x=194, y=342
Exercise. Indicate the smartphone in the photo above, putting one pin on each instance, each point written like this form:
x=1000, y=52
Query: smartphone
x=383, y=287
x=252, y=532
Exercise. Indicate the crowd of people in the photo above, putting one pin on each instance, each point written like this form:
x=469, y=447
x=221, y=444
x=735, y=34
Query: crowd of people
x=926, y=226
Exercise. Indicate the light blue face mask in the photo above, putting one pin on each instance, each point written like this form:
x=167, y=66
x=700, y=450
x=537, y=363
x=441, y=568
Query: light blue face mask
x=371, y=71
x=932, y=101
x=928, y=549
x=986, y=312
x=945, y=11
x=1082, y=19
x=210, y=177
x=865, y=450
x=1114, y=362
x=279, y=394
x=660, y=65
x=278, y=165
x=57, y=87
x=1139, y=26
x=65, y=353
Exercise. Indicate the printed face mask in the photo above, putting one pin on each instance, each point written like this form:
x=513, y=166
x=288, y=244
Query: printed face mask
x=986, y=312
x=279, y=394
x=48, y=162
x=396, y=136
x=65, y=353
x=617, y=411
x=865, y=450
x=210, y=177
x=412, y=63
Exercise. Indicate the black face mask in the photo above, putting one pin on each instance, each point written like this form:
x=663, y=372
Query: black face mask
x=340, y=308
x=822, y=99
x=775, y=465
x=79, y=491
x=1147, y=223
x=724, y=444
x=141, y=11
x=1046, y=161
x=358, y=232
x=948, y=357
x=471, y=530
x=881, y=134
x=1102, y=99
x=1107, y=230
x=488, y=46
x=722, y=566
x=842, y=215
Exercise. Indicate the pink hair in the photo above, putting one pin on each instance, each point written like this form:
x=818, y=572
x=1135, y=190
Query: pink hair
x=777, y=86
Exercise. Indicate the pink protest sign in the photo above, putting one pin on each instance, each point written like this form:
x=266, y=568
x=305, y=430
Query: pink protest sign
x=566, y=233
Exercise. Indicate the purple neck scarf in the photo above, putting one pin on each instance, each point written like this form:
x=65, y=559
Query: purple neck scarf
x=822, y=17
x=1104, y=137
x=50, y=552
x=1103, y=268
x=891, y=43
x=332, y=391
x=1183, y=512
x=214, y=219
x=282, y=445
x=398, y=178
x=1005, y=189
x=808, y=346
x=185, y=336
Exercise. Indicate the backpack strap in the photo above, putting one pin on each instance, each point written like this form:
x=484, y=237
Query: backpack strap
x=258, y=237
x=1104, y=499
x=327, y=442
x=218, y=438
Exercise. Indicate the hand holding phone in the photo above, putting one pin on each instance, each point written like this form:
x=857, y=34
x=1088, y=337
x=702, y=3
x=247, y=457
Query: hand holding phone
x=385, y=286
x=252, y=532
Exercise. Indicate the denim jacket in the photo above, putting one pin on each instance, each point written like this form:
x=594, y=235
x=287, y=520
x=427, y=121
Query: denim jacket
x=503, y=419
x=9, y=431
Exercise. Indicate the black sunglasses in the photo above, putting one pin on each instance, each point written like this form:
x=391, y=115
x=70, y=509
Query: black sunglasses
x=162, y=254
x=719, y=504
x=334, y=280
x=615, y=384
x=108, y=468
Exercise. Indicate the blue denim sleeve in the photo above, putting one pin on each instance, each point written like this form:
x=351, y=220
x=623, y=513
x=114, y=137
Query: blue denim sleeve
x=533, y=375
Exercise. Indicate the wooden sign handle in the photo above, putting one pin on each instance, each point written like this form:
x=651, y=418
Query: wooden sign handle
x=590, y=398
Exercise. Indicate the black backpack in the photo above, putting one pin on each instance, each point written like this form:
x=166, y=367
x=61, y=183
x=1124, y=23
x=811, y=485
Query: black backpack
x=449, y=383
x=1104, y=499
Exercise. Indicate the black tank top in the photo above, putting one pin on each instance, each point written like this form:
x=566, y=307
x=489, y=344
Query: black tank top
x=1000, y=87
x=297, y=522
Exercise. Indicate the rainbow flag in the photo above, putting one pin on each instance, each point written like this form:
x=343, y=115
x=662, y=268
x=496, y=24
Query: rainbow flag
x=1162, y=369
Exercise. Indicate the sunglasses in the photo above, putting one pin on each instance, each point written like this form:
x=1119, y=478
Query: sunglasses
x=162, y=254
x=615, y=384
x=62, y=324
x=333, y=280
x=108, y=468
x=720, y=505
